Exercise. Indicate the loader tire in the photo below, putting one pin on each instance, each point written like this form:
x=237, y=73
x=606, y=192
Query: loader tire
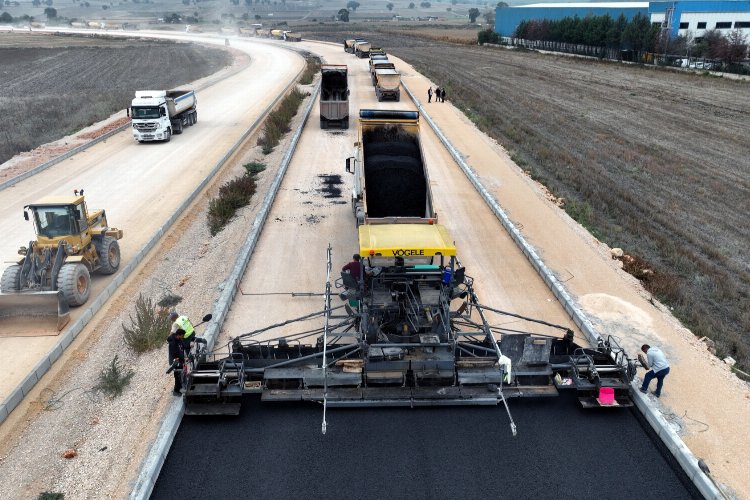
x=9, y=281
x=109, y=255
x=74, y=281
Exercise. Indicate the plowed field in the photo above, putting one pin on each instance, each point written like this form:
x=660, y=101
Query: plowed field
x=55, y=85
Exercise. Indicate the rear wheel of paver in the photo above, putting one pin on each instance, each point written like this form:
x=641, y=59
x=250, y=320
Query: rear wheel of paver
x=74, y=281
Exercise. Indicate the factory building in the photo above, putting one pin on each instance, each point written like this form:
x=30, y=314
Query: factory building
x=681, y=17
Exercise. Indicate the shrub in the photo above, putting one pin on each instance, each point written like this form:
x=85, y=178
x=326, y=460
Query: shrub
x=169, y=301
x=277, y=123
x=233, y=195
x=312, y=68
x=150, y=327
x=113, y=379
x=254, y=167
x=48, y=495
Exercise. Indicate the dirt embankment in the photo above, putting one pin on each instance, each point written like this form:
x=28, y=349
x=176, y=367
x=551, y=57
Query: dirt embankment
x=654, y=161
x=62, y=84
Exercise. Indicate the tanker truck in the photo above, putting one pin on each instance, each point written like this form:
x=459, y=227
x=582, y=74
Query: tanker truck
x=390, y=180
x=157, y=114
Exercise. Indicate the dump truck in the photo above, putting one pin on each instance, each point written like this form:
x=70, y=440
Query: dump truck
x=377, y=51
x=54, y=271
x=158, y=114
x=379, y=63
x=277, y=34
x=387, y=84
x=292, y=36
x=362, y=48
x=334, y=96
x=390, y=181
x=349, y=45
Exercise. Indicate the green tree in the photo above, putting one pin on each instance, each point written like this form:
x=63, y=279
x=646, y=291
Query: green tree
x=36, y=3
x=50, y=13
x=352, y=5
x=343, y=15
x=502, y=5
x=473, y=14
x=389, y=6
x=411, y=5
x=6, y=18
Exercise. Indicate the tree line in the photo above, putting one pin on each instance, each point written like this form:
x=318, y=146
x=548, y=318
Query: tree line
x=638, y=35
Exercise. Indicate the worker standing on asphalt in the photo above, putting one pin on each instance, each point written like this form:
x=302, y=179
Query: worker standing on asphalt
x=176, y=358
x=183, y=323
x=659, y=369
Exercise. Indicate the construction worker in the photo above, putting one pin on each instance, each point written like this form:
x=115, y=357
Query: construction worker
x=176, y=358
x=659, y=368
x=183, y=323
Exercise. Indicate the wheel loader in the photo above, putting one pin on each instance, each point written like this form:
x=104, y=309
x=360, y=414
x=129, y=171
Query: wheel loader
x=54, y=271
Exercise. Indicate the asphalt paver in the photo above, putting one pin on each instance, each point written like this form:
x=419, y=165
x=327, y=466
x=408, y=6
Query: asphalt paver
x=277, y=451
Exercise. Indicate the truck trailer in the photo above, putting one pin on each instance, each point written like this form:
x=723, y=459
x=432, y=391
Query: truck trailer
x=380, y=62
x=362, y=48
x=158, y=114
x=390, y=181
x=387, y=84
x=334, y=96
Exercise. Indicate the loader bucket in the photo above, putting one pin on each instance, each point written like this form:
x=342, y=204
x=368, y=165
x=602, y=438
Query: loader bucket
x=33, y=313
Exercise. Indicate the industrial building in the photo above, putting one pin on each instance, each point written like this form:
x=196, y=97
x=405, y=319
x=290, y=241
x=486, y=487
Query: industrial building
x=681, y=17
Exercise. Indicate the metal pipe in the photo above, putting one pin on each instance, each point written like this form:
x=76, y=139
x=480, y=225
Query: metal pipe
x=303, y=358
x=327, y=307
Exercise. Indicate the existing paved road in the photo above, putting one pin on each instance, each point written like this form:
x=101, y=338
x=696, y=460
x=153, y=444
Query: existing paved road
x=561, y=451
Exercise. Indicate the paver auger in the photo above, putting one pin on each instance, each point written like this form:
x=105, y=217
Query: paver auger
x=412, y=332
x=54, y=272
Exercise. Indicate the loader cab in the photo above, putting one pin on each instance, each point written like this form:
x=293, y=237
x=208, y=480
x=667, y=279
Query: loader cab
x=54, y=220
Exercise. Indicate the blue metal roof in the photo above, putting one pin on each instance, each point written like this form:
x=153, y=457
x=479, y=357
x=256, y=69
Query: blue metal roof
x=508, y=18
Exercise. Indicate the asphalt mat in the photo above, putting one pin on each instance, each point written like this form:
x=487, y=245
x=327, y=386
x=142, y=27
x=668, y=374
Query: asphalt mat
x=561, y=451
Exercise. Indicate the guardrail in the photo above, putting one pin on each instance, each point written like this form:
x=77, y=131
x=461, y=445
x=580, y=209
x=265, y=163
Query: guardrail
x=670, y=438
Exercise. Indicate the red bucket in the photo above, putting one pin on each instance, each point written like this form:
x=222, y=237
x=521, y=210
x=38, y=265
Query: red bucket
x=606, y=396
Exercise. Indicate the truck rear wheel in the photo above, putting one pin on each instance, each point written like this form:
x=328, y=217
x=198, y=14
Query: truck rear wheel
x=109, y=254
x=178, y=127
x=9, y=281
x=74, y=281
x=323, y=123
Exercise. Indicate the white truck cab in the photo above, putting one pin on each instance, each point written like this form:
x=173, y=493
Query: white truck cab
x=158, y=114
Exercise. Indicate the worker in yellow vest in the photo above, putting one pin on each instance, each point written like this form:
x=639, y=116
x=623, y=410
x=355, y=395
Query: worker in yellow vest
x=183, y=323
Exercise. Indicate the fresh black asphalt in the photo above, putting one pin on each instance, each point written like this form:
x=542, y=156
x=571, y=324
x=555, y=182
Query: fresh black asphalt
x=277, y=451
